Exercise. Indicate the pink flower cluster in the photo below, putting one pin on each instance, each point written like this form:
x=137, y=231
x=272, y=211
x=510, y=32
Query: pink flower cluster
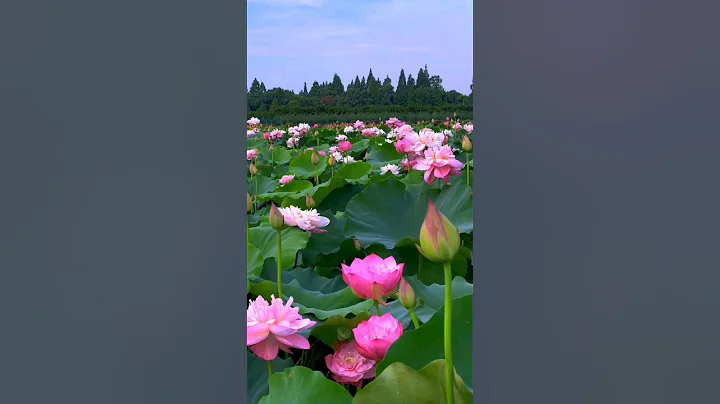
x=274, y=326
x=427, y=151
x=308, y=220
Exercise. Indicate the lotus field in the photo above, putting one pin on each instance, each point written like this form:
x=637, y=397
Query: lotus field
x=359, y=268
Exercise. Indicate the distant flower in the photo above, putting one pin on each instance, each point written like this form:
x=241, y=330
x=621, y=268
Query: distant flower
x=348, y=159
x=457, y=126
x=390, y=167
x=285, y=179
x=393, y=122
x=266, y=136
x=333, y=149
x=368, y=132
x=468, y=128
x=359, y=125
x=292, y=142
x=252, y=154
x=277, y=134
x=345, y=146
x=322, y=153
x=274, y=326
x=315, y=126
x=375, y=336
x=349, y=129
x=373, y=277
x=348, y=366
x=308, y=220
x=251, y=132
x=253, y=121
x=341, y=138
x=439, y=163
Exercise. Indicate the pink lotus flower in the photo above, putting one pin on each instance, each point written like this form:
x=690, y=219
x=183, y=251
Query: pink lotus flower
x=315, y=126
x=359, y=125
x=322, y=153
x=457, y=126
x=468, y=128
x=447, y=118
x=273, y=326
x=393, y=122
x=373, y=277
x=375, y=336
x=266, y=136
x=404, y=130
x=439, y=163
x=447, y=123
x=308, y=220
x=348, y=366
x=251, y=133
x=333, y=149
x=252, y=154
x=403, y=146
x=345, y=146
x=409, y=164
x=368, y=132
x=253, y=121
x=285, y=179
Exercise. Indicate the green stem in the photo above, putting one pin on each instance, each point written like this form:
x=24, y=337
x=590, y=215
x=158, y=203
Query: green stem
x=449, y=370
x=467, y=167
x=279, y=263
x=377, y=308
x=256, y=193
x=269, y=368
x=415, y=320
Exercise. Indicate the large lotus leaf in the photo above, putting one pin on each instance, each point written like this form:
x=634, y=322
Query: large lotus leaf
x=255, y=262
x=337, y=200
x=400, y=384
x=281, y=155
x=324, y=306
x=417, y=348
x=327, y=332
x=354, y=172
x=385, y=212
x=265, y=240
x=308, y=278
x=384, y=154
x=326, y=243
x=431, y=299
x=300, y=385
x=302, y=166
x=257, y=375
x=295, y=188
x=264, y=185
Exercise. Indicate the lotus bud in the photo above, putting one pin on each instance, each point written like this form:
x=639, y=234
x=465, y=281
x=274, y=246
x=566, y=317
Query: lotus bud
x=314, y=158
x=406, y=295
x=310, y=202
x=272, y=147
x=466, y=144
x=316, y=132
x=439, y=238
x=253, y=169
x=249, y=203
x=277, y=221
x=358, y=246
x=344, y=334
x=454, y=114
x=367, y=155
x=332, y=161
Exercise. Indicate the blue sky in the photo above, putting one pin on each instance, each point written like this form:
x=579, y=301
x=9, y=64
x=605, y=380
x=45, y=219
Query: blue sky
x=295, y=41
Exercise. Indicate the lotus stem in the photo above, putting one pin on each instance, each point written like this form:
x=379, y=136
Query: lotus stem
x=377, y=308
x=415, y=320
x=269, y=368
x=449, y=369
x=467, y=167
x=279, y=263
x=256, y=192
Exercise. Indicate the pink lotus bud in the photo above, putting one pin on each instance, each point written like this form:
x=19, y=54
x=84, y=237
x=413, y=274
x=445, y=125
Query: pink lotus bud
x=345, y=146
x=310, y=202
x=375, y=336
x=331, y=161
x=315, y=159
x=466, y=144
x=253, y=169
x=277, y=220
x=439, y=238
x=358, y=246
x=407, y=295
x=249, y=202
x=315, y=126
x=447, y=118
x=322, y=153
x=266, y=136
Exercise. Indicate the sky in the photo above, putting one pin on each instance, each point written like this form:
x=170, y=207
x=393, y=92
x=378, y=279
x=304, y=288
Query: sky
x=290, y=42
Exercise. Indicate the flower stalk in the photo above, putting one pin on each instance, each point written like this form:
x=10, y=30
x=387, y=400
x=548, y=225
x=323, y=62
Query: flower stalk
x=270, y=372
x=449, y=368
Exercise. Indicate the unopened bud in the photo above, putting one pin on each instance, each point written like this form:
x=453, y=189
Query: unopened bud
x=249, y=203
x=367, y=155
x=454, y=114
x=358, y=246
x=344, y=334
x=466, y=144
x=310, y=202
x=317, y=133
x=439, y=238
x=331, y=161
x=277, y=221
x=272, y=147
x=406, y=295
x=253, y=169
x=314, y=158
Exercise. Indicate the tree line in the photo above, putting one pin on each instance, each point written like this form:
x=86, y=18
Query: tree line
x=423, y=93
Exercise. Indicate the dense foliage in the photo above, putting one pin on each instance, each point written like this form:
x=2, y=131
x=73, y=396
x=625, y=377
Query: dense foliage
x=423, y=94
x=359, y=268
